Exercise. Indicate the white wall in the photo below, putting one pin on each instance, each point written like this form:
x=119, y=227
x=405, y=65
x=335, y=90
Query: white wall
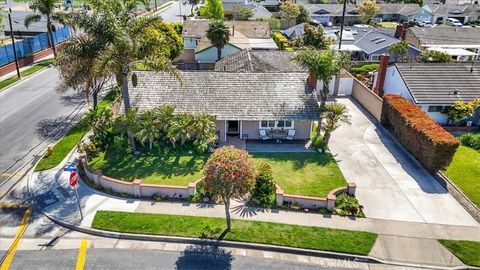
x=210, y=55
x=345, y=86
x=394, y=84
x=437, y=116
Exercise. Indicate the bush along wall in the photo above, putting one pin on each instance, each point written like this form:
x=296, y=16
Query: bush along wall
x=422, y=136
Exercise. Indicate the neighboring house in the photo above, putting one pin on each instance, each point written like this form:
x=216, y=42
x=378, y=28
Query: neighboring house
x=244, y=35
x=368, y=43
x=404, y=13
x=242, y=103
x=388, y=12
x=259, y=11
x=432, y=86
x=297, y=31
x=374, y=44
x=461, y=12
x=259, y=61
x=461, y=42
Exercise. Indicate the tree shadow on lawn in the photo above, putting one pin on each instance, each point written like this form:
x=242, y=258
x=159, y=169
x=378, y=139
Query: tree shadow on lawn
x=204, y=257
x=299, y=160
x=129, y=167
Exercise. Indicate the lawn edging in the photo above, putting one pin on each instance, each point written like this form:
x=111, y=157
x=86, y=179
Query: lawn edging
x=137, y=188
x=458, y=194
x=314, y=202
x=466, y=251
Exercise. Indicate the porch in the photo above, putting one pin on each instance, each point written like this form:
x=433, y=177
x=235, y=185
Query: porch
x=273, y=146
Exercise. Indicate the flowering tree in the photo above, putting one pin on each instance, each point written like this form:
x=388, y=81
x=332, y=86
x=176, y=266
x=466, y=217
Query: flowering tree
x=229, y=173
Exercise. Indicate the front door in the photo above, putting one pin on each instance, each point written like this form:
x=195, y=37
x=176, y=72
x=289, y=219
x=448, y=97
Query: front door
x=233, y=127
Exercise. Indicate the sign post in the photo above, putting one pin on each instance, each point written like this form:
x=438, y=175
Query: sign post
x=73, y=183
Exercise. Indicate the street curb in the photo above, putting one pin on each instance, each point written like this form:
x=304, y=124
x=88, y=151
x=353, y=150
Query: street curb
x=245, y=245
x=25, y=78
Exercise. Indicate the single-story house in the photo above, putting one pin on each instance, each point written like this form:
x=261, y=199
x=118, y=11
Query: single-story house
x=374, y=43
x=465, y=40
x=432, y=86
x=259, y=11
x=253, y=35
x=244, y=104
x=259, y=61
x=403, y=12
x=463, y=13
x=388, y=12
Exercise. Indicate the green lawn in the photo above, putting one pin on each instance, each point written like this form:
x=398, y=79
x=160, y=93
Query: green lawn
x=467, y=251
x=178, y=171
x=29, y=71
x=310, y=174
x=71, y=139
x=388, y=24
x=465, y=172
x=355, y=242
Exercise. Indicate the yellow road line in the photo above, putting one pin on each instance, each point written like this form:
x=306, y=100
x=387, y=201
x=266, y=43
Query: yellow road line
x=12, y=174
x=13, y=248
x=12, y=205
x=82, y=254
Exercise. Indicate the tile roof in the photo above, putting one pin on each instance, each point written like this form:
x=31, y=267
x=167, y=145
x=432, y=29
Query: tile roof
x=445, y=35
x=259, y=61
x=229, y=96
x=436, y=83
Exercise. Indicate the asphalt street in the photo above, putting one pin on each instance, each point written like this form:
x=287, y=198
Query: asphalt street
x=32, y=116
x=173, y=12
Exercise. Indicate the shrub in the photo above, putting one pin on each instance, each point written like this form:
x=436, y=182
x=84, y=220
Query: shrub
x=263, y=193
x=422, y=136
x=317, y=140
x=364, y=69
x=347, y=205
x=471, y=140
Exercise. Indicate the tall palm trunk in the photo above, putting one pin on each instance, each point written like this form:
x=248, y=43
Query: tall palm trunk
x=219, y=53
x=126, y=103
x=326, y=137
x=324, y=92
x=50, y=36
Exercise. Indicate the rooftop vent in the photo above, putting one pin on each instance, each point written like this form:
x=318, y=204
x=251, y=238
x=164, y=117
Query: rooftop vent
x=456, y=92
x=380, y=41
x=375, y=39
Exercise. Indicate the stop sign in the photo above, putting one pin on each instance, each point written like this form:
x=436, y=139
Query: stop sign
x=73, y=178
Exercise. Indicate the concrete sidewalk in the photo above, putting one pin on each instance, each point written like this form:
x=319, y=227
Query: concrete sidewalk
x=57, y=200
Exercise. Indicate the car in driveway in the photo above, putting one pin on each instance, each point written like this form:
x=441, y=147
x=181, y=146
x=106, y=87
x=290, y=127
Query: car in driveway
x=453, y=22
x=425, y=23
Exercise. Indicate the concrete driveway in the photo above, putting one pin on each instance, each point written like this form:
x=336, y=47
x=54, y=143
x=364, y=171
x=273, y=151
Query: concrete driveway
x=391, y=184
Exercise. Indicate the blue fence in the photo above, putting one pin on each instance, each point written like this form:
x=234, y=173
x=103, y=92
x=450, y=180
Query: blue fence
x=31, y=45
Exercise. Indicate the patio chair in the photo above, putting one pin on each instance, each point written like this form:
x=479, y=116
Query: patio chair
x=291, y=134
x=263, y=134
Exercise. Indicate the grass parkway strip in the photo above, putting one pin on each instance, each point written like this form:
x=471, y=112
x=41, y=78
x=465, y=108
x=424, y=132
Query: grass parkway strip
x=71, y=139
x=467, y=251
x=345, y=241
x=29, y=71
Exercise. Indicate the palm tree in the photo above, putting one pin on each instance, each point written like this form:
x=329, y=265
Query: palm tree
x=46, y=8
x=204, y=128
x=128, y=123
x=131, y=45
x=323, y=64
x=147, y=130
x=219, y=35
x=164, y=116
x=180, y=129
x=333, y=114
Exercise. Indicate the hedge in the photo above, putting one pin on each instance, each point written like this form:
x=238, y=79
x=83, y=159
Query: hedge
x=422, y=136
x=281, y=42
x=364, y=69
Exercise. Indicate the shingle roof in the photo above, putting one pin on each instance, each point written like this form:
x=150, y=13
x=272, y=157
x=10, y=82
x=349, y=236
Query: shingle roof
x=434, y=83
x=374, y=41
x=259, y=61
x=337, y=9
x=229, y=96
x=455, y=10
x=444, y=35
x=250, y=29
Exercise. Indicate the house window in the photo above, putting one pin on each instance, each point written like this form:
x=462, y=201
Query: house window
x=435, y=108
x=281, y=124
x=375, y=57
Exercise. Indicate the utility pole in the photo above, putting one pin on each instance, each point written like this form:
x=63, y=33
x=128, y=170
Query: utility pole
x=341, y=26
x=13, y=41
x=155, y=4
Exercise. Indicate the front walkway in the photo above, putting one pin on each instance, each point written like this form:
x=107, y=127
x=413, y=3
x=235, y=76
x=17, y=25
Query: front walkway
x=283, y=146
x=390, y=183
